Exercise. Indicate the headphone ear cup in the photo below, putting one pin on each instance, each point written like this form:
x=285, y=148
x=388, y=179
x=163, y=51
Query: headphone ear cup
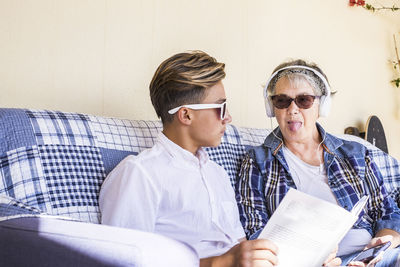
x=324, y=105
x=269, y=108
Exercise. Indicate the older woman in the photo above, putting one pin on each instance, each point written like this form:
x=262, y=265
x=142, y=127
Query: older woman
x=300, y=154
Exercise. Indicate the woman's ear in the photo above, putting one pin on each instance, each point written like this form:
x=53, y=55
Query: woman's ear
x=185, y=116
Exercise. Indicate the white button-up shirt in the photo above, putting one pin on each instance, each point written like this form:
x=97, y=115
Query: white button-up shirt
x=168, y=190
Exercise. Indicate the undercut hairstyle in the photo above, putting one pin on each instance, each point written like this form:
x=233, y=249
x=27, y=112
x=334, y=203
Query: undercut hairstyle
x=183, y=79
x=297, y=76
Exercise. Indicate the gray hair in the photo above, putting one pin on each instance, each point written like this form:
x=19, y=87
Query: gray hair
x=299, y=75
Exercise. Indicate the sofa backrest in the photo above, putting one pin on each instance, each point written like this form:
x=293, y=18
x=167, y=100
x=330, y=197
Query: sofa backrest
x=56, y=161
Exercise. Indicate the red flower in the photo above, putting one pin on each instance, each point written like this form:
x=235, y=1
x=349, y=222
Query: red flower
x=361, y=2
x=352, y=2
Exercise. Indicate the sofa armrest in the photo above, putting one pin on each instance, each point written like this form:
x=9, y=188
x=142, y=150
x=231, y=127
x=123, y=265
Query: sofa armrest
x=51, y=241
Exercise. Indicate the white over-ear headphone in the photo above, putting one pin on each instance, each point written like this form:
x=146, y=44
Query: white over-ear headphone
x=325, y=100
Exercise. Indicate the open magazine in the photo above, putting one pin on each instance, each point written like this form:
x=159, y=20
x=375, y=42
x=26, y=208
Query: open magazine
x=307, y=229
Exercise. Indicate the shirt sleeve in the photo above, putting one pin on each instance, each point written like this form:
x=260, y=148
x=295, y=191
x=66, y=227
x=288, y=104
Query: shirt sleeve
x=390, y=169
x=250, y=197
x=384, y=210
x=231, y=208
x=129, y=198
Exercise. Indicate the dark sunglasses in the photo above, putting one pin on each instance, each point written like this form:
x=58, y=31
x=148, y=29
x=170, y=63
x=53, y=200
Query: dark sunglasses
x=284, y=101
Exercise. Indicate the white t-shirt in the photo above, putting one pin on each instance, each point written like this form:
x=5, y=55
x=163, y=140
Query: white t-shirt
x=169, y=191
x=314, y=181
x=308, y=178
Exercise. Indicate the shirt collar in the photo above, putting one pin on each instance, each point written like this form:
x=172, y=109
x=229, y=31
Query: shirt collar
x=180, y=153
x=274, y=140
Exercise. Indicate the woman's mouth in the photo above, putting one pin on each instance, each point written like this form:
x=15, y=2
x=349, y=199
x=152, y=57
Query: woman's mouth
x=294, y=125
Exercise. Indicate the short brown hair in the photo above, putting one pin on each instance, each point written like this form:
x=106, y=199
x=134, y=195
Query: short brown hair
x=182, y=79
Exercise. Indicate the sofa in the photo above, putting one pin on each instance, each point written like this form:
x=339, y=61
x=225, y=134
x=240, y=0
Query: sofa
x=52, y=165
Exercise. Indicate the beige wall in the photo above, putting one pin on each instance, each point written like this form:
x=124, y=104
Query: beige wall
x=98, y=56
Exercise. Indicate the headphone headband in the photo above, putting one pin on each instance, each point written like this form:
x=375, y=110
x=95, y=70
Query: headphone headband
x=325, y=100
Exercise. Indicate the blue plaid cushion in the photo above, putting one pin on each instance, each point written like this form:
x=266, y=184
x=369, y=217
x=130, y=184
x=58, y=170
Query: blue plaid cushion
x=389, y=166
x=233, y=148
x=12, y=208
x=56, y=161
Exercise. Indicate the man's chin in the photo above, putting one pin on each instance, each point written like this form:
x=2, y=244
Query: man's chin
x=214, y=144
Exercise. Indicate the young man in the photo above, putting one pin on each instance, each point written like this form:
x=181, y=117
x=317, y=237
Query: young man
x=173, y=188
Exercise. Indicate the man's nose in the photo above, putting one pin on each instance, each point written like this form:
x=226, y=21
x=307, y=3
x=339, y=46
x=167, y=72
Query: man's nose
x=228, y=117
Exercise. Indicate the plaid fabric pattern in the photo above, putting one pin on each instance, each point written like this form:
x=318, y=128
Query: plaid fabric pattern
x=387, y=165
x=232, y=149
x=11, y=208
x=15, y=130
x=73, y=177
x=125, y=135
x=265, y=179
x=56, y=165
x=228, y=156
x=252, y=136
x=22, y=179
x=53, y=127
x=56, y=161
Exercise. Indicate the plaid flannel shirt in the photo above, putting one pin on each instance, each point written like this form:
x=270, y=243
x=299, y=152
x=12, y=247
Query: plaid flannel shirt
x=353, y=170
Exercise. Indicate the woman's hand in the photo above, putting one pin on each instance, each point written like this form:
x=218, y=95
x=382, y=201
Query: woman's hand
x=370, y=264
x=376, y=241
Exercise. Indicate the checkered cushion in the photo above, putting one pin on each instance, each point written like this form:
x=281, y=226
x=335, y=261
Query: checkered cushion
x=55, y=162
x=11, y=208
x=233, y=147
x=389, y=166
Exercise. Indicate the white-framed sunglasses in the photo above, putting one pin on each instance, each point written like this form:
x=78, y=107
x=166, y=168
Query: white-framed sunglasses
x=221, y=107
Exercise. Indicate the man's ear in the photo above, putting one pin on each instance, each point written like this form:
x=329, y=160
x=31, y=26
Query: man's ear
x=185, y=116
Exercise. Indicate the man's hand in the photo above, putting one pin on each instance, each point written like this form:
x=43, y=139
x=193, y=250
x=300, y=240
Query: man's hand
x=249, y=253
x=260, y=252
x=332, y=260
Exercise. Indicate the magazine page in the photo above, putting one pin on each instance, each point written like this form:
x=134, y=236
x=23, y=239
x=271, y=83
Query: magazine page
x=307, y=229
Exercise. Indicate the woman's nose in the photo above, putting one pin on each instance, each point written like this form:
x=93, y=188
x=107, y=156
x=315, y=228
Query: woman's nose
x=293, y=108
